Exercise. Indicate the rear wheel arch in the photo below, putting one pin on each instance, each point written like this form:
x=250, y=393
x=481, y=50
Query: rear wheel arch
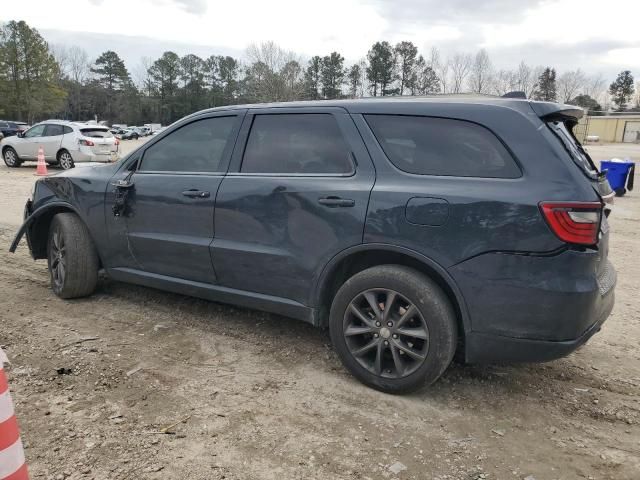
x=357, y=259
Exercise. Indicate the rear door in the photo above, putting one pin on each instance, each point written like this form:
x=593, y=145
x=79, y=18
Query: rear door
x=169, y=216
x=295, y=196
x=51, y=140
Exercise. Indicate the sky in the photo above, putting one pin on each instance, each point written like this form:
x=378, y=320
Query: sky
x=600, y=37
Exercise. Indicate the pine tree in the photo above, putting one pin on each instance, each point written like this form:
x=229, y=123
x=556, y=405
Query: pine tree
x=406, y=53
x=29, y=74
x=332, y=74
x=622, y=89
x=110, y=71
x=312, y=77
x=354, y=78
x=381, y=71
x=546, y=90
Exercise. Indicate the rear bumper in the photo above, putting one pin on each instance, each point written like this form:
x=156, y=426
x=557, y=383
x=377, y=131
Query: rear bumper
x=81, y=156
x=533, y=307
x=488, y=348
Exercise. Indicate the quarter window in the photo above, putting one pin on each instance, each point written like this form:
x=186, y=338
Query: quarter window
x=438, y=146
x=196, y=147
x=299, y=143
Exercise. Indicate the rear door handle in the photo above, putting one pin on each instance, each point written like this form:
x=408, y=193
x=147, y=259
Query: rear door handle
x=334, y=202
x=196, y=193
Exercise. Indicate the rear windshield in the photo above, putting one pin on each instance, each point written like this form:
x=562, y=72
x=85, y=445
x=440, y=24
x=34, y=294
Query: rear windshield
x=96, y=132
x=571, y=144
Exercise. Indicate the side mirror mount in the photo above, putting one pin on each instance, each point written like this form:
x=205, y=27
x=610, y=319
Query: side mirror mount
x=20, y=134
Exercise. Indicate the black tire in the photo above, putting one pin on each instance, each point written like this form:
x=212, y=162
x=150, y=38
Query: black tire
x=135, y=137
x=620, y=192
x=65, y=160
x=10, y=157
x=70, y=247
x=434, y=316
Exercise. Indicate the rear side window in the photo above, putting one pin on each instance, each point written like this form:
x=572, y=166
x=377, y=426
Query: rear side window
x=299, y=143
x=96, y=132
x=196, y=147
x=67, y=130
x=53, y=130
x=439, y=146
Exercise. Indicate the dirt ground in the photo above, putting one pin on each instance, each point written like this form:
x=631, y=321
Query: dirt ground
x=249, y=395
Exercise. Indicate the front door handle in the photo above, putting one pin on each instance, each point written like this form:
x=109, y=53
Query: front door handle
x=334, y=202
x=193, y=193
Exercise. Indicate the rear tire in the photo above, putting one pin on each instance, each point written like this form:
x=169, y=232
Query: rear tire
x=72, y=257
x=10, y=157
x=404, y=349
x=65, y=160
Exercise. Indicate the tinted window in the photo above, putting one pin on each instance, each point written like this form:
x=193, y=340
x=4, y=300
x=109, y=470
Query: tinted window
x=36, y=131
x=4, y=125
x=296, y=143
x=96, y=132
x=53, y=130
x=67, y=130
x=436, y=146
x=196, y=147
x=572, y=145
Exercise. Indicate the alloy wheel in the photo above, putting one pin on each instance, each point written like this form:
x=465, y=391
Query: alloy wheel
x=57, y=259
x=66, y=162
x=386, y=333
x=10, y=157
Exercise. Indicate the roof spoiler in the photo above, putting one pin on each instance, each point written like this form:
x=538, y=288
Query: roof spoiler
x=557, y=110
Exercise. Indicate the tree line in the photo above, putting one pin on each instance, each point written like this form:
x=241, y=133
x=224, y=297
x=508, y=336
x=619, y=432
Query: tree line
x=40, y=81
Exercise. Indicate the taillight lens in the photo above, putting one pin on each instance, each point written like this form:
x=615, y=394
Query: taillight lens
x=117, y=142
x=86, y=143
x=574, y=222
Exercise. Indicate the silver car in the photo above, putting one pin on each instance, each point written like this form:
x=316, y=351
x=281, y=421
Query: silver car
x=64, y=144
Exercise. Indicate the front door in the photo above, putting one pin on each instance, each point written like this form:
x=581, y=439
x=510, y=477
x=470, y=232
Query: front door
x=294, y=197
x=170, y=207
x=27, y=148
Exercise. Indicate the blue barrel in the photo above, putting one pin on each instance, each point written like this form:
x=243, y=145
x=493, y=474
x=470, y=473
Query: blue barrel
x=620, y=175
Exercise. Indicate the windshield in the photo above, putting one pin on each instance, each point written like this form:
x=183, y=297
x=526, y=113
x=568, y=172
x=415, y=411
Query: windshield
x=572, y=145
x=96, y=132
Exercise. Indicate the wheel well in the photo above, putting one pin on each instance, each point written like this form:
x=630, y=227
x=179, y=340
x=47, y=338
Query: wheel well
x=59, y=152
x=360, y=261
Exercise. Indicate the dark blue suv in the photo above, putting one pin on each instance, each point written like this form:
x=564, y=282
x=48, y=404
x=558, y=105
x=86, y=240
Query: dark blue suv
x=411, y=228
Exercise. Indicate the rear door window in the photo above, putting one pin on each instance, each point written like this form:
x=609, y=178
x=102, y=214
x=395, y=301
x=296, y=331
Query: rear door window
x=298, y=143
x=440, y=146
x=196, y=147
x=53, y=130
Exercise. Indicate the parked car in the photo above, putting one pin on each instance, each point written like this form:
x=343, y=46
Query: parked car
x=64, y=144
x=411, y=228
x=8, y=129
x=128, y=134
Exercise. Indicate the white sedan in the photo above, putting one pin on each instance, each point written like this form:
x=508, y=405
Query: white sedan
x=64, y=144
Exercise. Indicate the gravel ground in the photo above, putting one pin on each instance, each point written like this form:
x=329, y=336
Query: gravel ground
x=249, y=395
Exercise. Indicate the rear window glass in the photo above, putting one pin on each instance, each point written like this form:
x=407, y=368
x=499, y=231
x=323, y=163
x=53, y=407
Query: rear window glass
x=96, y=132
x=438, y=146
x=572, y=145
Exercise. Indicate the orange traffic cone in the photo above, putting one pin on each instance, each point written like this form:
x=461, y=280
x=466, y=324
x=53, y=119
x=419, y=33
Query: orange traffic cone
x=12, y=463
x=42, y=165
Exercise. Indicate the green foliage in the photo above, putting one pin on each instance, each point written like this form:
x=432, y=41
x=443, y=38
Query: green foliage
x=29, y=74
x=312, y=78
x=546, y=89
x=622, y=89
x=585, y=101
x=354, y=78
x=425, y=80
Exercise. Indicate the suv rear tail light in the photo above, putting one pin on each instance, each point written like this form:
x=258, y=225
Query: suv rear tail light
x=86, y=143
x=574, y=222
